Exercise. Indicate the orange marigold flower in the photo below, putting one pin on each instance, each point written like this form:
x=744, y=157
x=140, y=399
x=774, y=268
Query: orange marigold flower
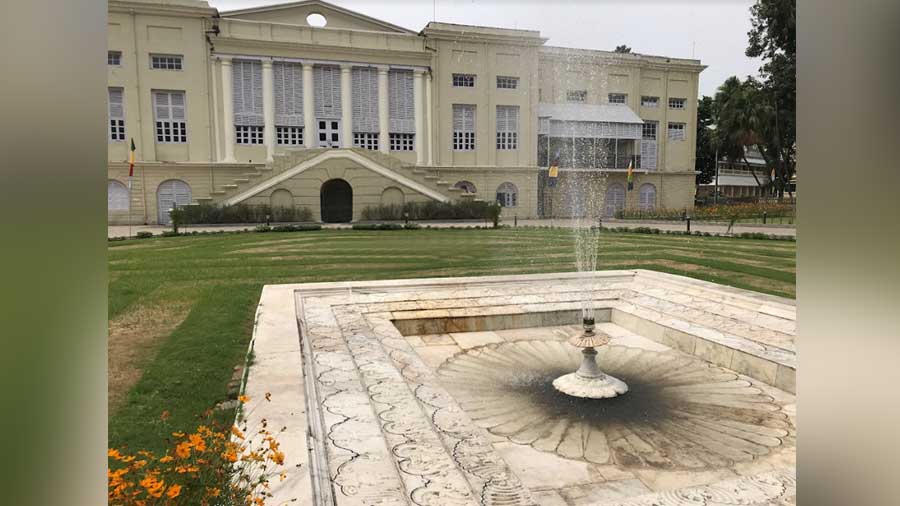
x=178, y=434
x=213, y=492
x=173, y=491
x=167, y=458
x=127, y=459
x=113, y=453
x=243, y=398
x=230, y=456
x=237, y=432
x=183, y=450
x=277, y=457
x=197, y=442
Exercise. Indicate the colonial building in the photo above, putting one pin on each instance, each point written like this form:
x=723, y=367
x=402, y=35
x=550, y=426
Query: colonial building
x=307, y=104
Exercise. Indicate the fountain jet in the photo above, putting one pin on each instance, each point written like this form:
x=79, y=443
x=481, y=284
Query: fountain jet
x=589, y=381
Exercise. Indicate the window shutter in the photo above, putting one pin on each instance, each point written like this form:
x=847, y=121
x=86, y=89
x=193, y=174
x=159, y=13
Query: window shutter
x=177, y=98
x=365, y=99
x=116, y=109
x=401, y=111
x=458, y=118
x=288, y=81
x=247, y=91
x=161, y=105
x=327, y=96
x=501, y=118
x=469, y=118
x=507, y=118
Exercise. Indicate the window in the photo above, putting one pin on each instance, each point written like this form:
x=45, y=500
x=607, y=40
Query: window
x=507, y=83
x=648, y=130
x=248, y=134
x=165, y=61
x=327, y=91
x=116, y=115
x=617, y=98
x=401, y=142
x=114, y=58
x=168, y=110
x=463, y=127
x=647, y=197
x=401, y=116
x=464, y=80
x=576, y=95
x=465, y=186
x=507, y=127
x=116, y=196
x=365, y=140
x=289, y=135
x=676, y=103
x=364, y=93
x=649, y=101
x=508, y=195
x=676, y=132
x=288, y=83
x=247, y=100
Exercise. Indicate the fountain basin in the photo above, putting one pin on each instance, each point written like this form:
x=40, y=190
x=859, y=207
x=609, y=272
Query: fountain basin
x=441, y=391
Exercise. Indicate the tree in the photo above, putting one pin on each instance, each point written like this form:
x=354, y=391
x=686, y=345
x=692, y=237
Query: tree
x=622, y=49
x=773, y=37
x=707, y=114
x=744, y=120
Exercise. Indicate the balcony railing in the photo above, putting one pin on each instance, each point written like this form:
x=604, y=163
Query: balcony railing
x=607, y=161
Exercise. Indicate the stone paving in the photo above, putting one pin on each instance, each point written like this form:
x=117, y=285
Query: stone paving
x=436, y=391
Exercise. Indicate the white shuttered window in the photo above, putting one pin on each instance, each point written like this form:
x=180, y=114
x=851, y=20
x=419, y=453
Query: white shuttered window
x=327, y=91
x=507, y=127
x=288, y=83
x=364, y=86
x=676, y=132
x=401, y=113
x=168, y=111
x=248, y=108
x=463, y=127
x=116, y=115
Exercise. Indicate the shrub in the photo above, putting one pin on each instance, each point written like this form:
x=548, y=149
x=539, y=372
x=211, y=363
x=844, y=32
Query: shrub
x=411, y=226
x=212, y=466
x=431, y=210
x=207, y=214
x=377, y=226
x=143, y=234
x=304, y=227
x=170, y=233
x=721, y=212
x=262, y=228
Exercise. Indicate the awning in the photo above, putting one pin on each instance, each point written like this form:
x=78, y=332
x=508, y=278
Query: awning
x=599, y=113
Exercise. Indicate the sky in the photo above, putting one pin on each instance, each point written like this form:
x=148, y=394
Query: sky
x=715, y=32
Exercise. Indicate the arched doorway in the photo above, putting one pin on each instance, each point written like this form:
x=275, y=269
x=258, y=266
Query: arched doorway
x=615, y=199
x=171, y=194
x=336, y=199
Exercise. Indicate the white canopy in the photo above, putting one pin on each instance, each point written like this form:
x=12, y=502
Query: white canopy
x=599, y=113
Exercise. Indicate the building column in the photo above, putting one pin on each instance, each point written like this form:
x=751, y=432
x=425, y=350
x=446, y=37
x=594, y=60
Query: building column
x=346, y=107
x=428, y=118
x=309, y=116
x=383, y=105
x=419, y=119
x=228, y=107
x=268, y=109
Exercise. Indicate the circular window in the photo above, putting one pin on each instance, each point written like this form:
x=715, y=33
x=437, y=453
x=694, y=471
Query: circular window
x=317, y=20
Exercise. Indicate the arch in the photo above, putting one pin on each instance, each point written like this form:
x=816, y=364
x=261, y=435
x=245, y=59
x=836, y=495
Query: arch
x=170, y=194
x=116, y=196
x=392, y=196
x=647, y=197
x=336, y=201
x=615, y=199
x=466, y=186
x=508, y=195
x=281, y=198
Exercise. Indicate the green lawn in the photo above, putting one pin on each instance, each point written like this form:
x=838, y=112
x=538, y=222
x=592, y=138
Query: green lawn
x=213, y=282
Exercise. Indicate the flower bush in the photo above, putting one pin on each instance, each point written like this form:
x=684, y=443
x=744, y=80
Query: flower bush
x=206, y=214
x=431, y=210
x=212, y=466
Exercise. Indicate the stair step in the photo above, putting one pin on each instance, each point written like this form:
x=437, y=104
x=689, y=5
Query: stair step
x=204, y=199
x=230, y=186
x=442, y=183
x=266, y=168
x=419, y=171
x=432, y=178
x=218, y=192
x=240, y=180
x=250, y=175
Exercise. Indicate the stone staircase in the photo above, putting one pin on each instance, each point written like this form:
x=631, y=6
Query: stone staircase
x=290, y=158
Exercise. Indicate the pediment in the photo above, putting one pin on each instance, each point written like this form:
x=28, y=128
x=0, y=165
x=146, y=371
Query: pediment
x=296, y=13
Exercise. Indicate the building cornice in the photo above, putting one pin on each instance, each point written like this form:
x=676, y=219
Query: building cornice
x=258, y=49
x=319, y=61
x=598, y=57
x=471, y=33
x=318, y=3
x=186, y=9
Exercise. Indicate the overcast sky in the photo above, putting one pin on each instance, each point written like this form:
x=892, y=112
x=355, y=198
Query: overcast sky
x=715, y=32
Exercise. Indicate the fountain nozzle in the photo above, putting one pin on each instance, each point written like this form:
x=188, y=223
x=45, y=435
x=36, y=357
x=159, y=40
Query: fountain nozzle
x=588, y=323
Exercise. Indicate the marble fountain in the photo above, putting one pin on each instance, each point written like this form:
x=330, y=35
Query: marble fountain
x=441, y=391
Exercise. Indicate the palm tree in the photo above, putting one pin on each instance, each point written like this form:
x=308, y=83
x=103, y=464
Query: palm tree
x=744, y=120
